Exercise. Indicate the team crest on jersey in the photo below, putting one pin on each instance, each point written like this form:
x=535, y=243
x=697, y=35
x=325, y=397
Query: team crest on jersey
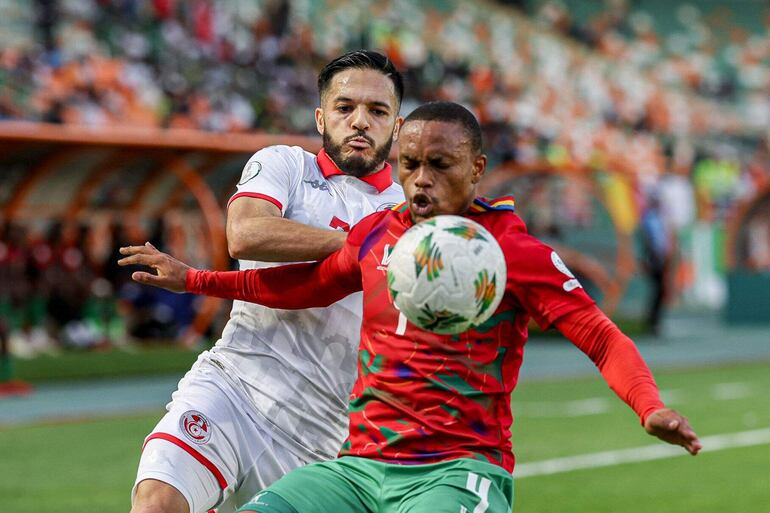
x=195, y=426
x=385, y=206
x=252, y=170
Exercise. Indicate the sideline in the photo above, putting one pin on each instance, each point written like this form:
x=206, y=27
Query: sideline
x=638, y=454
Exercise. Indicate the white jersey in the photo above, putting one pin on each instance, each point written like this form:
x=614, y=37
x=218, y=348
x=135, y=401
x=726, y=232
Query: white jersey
x=298, y=366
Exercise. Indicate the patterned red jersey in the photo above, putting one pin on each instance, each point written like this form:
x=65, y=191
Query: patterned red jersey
x=421, y=397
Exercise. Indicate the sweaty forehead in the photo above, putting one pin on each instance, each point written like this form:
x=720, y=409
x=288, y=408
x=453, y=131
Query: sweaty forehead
x=420, y=136
x=361, y=85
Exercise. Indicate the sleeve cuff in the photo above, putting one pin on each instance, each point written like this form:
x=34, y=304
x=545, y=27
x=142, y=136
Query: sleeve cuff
x=189, y=282
x=256, y=195
x=650, y=410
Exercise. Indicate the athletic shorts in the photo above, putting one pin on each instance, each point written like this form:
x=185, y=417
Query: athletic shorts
x=359, y=485
x=211, y=446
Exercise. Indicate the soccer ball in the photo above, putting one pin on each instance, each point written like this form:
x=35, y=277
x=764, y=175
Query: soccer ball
x=447, y=274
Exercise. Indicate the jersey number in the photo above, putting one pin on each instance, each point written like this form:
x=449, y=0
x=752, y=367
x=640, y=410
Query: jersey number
x=480, y=487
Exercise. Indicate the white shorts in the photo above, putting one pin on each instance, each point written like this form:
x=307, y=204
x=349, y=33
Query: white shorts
x=210, y=448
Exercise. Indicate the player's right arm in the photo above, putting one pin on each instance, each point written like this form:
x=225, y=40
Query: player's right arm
x=256, y=228
x=290, y=287
x=257, y=231
x=293, y=286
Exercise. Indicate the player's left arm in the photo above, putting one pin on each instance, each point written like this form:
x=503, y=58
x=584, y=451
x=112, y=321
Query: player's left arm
x=552, y=295
x=626, y=373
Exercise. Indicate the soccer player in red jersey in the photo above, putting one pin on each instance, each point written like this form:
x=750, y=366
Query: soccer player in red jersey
x=430, y=414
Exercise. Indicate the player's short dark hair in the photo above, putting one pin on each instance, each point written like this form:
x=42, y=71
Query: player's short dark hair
x=450, y=112
x=361, y=59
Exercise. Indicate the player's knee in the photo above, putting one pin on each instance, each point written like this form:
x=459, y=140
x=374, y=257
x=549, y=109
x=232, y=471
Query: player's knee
x=267, y=502
x=157, y=497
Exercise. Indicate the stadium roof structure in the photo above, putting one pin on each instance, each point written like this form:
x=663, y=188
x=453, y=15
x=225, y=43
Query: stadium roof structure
x=67, y=173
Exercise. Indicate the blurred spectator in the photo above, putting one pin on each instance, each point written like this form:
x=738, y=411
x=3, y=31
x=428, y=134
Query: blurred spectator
x=55, y=294
x=656, y=258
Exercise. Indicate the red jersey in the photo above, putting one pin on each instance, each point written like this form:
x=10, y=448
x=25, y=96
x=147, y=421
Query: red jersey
x=421, y=397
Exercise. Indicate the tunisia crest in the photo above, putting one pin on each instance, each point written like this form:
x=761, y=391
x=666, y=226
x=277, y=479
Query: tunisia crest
x=195, y=426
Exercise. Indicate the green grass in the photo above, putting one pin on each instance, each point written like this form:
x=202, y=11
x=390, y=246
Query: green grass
x=731, y=481
x=728, y=481
x=84, y=466
x=90, y=465
x=105, y=364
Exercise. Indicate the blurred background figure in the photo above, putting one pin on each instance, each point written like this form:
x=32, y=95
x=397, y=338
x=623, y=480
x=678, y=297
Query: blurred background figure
x=657, y=250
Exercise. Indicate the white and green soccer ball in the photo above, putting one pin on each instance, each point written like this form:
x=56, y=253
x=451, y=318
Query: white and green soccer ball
x=447, y=274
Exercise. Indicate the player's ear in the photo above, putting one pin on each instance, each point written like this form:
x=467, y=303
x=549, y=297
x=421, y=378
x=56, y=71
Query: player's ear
x=479, y=167
x=397, y=127
x=319, y=120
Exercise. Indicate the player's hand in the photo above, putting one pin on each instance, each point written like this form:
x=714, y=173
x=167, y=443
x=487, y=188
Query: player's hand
x=672, y=427
x=170, y=273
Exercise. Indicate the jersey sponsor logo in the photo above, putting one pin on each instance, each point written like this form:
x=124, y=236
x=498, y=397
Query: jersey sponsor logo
x=320, y=185
x=387, y=252
x=385, y=206
x=195, y=426
x=252, y=170
x=570, y=284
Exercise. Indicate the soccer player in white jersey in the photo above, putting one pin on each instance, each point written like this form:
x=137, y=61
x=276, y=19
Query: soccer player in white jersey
x=271, y=394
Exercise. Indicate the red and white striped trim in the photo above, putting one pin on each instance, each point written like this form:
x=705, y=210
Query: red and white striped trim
x=192, y=452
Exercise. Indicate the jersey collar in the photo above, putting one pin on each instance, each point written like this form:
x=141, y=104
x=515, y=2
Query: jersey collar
x=380, y=180
x=479, y=206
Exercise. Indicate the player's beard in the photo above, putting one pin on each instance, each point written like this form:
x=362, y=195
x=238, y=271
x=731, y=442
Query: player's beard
x=356, y=165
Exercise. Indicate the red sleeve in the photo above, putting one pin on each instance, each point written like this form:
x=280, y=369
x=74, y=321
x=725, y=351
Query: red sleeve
x=542, y=285
x=291, y=287
x=616, y=357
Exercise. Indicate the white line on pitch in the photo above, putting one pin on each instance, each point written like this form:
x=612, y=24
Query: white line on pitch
x=581, y=407
x=638, y=454
x=577, y=408
x=731, y=391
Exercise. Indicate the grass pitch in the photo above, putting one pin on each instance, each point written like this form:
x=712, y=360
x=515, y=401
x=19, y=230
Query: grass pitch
x=90, y=465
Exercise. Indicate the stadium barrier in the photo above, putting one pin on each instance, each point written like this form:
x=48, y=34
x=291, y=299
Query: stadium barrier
x=747, y=250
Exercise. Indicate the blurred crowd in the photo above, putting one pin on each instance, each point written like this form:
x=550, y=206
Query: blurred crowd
x=676, y=118
x=719, y=51
x=251, y=65
x=61, y=287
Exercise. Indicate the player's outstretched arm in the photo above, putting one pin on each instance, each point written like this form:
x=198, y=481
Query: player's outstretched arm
x=627, y=374
x=294, y=286
x=672, y=427
x=170, y=273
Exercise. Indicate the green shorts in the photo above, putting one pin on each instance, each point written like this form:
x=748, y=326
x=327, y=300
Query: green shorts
x=360, y=485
